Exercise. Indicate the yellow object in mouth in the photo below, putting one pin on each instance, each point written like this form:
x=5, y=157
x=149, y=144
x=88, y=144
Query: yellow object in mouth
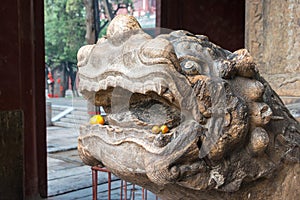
x=164, y=129
x=97, y=119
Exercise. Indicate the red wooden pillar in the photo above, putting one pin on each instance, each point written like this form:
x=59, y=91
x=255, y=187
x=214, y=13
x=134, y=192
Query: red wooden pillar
x=22, y=88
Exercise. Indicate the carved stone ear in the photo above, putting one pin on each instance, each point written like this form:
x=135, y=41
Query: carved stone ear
x=84, y=54
x=121, y=28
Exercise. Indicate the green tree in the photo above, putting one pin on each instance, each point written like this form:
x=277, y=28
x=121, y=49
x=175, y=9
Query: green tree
x=64, y=30
x=106, y=11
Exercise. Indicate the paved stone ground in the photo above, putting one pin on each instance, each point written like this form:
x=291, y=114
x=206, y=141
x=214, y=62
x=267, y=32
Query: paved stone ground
x=61, y=139
x=76, y=101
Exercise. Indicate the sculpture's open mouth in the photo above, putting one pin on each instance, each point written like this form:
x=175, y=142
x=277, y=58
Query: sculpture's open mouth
x=144, y=111
x=131, y=116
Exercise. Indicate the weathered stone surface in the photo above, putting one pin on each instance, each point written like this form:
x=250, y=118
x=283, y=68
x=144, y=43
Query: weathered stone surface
x=273, y=38
x=230, y=136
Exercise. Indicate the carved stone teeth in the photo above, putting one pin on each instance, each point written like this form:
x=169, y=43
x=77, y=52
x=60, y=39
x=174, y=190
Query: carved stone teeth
x=169, y=96
x=137, y=87
x=162, y=90
x=118, y=130
x=133, y=87
x=159, y=88
x=110, y=129
x=111, y=81
x=103, y=85
x=141, y=88
x=140, y=123
x=147, y=86
x=120, y=82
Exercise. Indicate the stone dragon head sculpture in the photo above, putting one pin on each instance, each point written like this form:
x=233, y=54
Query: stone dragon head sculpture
x=230, y=135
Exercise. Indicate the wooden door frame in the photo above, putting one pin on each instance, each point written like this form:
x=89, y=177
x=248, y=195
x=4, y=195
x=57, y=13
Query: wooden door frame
x=22, y=89
x=32, y=63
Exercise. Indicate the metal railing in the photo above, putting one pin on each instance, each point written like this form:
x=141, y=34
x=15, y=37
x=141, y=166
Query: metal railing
x=123, y=184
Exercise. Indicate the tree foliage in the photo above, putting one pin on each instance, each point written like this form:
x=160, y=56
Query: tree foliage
x=107, y=9
x=64, y=30
x=65, y=27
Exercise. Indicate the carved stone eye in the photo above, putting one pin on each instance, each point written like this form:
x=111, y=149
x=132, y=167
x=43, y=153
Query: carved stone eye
x=190, y=67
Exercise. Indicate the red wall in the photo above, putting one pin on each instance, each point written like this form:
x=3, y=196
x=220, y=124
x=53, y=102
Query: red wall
x=223, y=21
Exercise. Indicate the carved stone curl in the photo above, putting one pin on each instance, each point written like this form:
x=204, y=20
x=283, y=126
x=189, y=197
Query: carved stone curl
x=230, y=137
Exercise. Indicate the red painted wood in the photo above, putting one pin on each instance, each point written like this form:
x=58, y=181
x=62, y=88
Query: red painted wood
x=94, y=182
x=40, y=99
x=22, y=85
x=223, y=21
x=9, y=56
